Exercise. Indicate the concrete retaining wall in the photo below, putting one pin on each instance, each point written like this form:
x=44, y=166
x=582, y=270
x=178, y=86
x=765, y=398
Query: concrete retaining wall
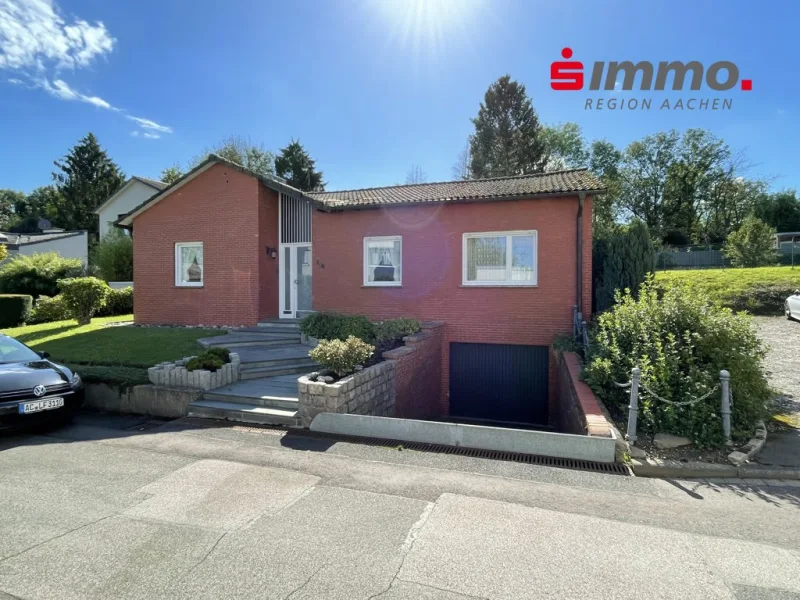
x=141, y=399
x=367, y=392
x=541, y=443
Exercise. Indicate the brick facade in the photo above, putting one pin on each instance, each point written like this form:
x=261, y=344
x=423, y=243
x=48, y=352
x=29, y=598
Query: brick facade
x=235, y=216
x=432, y=271
x=419, y=373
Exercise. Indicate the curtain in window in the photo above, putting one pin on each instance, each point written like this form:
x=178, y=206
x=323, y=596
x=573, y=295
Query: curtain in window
x=486, y=259
x=383, y=260
x=191, y=264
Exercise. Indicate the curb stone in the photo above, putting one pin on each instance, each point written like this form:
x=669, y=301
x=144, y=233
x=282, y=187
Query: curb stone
x=653, y=467
x=751, y=448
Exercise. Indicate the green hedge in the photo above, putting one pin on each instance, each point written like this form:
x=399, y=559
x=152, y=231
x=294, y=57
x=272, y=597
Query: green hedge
x=15, y=309
x=37, y=274
x=47, y=309
x=335, y=326
x=118, y=302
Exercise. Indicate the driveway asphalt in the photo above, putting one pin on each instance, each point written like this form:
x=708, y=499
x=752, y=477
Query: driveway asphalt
x=119, y=507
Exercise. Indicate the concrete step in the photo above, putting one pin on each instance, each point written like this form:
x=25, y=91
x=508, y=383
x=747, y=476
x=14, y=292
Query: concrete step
x=270, y=356
x=299, y=367
x=278, y=326
x=270, y=400
x=240, y=340
x=241, y=412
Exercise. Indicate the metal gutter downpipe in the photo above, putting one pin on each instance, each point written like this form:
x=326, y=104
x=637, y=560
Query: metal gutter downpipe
x=579, y=246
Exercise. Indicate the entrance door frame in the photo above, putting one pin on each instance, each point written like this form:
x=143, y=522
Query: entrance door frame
x=289, y=312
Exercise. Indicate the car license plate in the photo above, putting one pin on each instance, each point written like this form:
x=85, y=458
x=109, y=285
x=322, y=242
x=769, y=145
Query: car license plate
x=40, y=405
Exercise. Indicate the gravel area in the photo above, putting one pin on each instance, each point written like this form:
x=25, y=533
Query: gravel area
x=783, y=361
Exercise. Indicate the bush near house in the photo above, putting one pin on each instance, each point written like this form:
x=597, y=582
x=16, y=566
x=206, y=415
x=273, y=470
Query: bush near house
x=621, y=260
x=335, y=326
x=15, y=309
x=681, y=341
x=342, y=357
x=49, y=308
x=210, y=360
x=37, y=274
x=752, y=245
x=113, y=257
x=760, y=290
x=118, y=302
x=83, y=296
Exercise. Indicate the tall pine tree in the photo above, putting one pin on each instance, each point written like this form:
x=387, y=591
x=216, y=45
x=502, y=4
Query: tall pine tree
x=508, y=136
x=296, y=166
x=86, y=178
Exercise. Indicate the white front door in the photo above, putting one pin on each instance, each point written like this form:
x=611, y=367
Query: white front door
x=295, y=279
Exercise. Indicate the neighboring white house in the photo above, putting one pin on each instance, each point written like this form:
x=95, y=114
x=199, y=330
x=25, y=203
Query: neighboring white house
x=69, y=244
x=135, y=192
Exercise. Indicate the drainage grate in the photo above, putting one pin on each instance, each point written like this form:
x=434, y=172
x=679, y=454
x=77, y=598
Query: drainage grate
x=546, y=461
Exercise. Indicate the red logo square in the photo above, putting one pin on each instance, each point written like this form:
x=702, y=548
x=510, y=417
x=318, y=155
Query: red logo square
x=747, y=85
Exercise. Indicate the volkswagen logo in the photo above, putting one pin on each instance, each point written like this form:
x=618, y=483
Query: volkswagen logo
x=39, y=390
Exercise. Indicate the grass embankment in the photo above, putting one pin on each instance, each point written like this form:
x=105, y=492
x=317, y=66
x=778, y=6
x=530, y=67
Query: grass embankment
x=760, y=291
x=113, y=354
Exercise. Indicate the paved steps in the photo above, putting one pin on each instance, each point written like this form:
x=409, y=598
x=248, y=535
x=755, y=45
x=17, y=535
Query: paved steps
x=242, y=412
x=272, y=360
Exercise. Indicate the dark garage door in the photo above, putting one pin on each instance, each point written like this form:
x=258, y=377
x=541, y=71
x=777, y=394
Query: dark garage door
x=499, y=382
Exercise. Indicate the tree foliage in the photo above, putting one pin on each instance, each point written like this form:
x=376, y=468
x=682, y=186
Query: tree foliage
x=416, y=175
x=780, y=210
x=113, y=256
x=3, y=252
x=240, y=150
x=621, y=260
x=10, y=201
x=37, y=274
x=752, y=245
x=566, y=147
x=508, y=136
x=171, y=174
x=86, y=177
x=461, y=168
x=297, y=167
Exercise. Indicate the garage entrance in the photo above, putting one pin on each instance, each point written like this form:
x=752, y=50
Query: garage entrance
x=499, y=382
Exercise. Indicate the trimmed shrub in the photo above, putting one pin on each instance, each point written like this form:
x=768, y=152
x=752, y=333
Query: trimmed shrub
x=118, y=302
x=752, y=245
x=395, y=330
x=37, y=274
x=83, y=296
x=334, y=326
x=113, y=256
x=210, y=360
x=620, y=261
x=47, y=309
x=3, y=252
x=342, y=357
x=681, y=341
x=15, y=309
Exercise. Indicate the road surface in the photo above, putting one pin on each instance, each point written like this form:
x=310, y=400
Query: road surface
x=113, y=507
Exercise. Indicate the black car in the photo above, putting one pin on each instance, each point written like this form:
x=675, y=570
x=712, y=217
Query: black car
x=33, y=389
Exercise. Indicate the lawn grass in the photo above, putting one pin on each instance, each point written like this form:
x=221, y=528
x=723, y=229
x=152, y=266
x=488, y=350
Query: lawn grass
x=759, y=290
x=117, y=346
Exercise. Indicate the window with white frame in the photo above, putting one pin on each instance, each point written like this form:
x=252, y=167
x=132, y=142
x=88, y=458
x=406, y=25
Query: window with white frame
x=499, y=258
x=383, y=261
x=189, y=264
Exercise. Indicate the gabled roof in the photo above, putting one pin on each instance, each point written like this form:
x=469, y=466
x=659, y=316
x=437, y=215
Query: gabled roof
x=14, y=240
x=156, y=185
x=496, y=188
x=274, y=183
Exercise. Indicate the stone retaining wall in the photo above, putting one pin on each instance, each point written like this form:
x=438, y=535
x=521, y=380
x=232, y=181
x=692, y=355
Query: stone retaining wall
x=419, y=373
x=141, y=399
x=175, y=374
x=367, y=392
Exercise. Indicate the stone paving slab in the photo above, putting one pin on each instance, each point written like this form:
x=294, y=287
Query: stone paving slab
x=530, y=547
x=220, y=494
x=262, y=386
x=250, y=354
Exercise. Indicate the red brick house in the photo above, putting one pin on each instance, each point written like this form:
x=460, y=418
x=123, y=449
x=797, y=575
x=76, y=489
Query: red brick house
x=502, y=262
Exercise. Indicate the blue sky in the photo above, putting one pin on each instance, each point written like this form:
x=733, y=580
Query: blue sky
x=369, y=87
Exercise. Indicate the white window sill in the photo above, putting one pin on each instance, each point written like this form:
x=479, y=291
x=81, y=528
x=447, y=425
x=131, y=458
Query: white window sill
x=189, y=285
x=383, y=284
x=499, y=285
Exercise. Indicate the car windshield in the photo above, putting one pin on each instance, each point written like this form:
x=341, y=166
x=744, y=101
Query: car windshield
x=13, y=351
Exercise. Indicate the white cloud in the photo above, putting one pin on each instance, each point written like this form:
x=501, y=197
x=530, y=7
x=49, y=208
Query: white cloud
x=135, y=133
x=60, y=89
x=37, y=42
x=151, y=136
x=148, y=124
x=34, y=36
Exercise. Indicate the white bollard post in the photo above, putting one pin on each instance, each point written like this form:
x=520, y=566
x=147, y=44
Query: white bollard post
x=725, y=409
x=633, y=407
